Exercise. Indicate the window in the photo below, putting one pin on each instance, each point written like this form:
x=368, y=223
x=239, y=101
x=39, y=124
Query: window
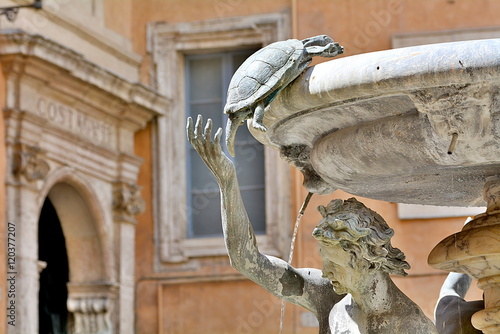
x=181, y=52
x=207, y=80
x=444, y=36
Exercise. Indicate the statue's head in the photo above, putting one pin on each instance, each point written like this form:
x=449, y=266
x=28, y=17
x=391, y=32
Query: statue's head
x=362, y=233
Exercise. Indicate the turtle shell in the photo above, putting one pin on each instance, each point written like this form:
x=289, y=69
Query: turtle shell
x=261, y=73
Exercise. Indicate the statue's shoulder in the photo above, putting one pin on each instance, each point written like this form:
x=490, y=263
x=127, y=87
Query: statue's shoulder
x=346, y=317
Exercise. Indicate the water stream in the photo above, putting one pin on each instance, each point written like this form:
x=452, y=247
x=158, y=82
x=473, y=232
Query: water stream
x=292, y=246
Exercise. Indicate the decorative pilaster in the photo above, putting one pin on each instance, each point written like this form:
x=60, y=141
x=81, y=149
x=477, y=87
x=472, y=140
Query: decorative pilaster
x=127, y=202
x=476, y=251
x=28, y=169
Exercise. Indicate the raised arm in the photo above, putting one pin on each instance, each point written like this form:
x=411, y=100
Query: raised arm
x=238, y=232
x=301, y=287
x=456, y=284
x=453, y=314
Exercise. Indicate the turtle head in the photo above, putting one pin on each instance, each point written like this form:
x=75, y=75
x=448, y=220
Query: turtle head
x=320, y=40
x=323, y=46
x=233, y=122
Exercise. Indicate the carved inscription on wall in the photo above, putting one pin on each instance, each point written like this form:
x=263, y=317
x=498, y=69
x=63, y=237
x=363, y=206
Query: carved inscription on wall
x=97, y=131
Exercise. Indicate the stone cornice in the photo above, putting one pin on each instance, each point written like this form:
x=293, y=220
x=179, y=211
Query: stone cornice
x=221, y=24
x=96, y=37
x=50, y=57
x=254, y=30
x=85, y=31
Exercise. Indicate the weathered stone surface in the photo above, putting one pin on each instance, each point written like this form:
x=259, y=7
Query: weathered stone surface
x=69, y=137
x=353, y=293
x=265, y=73
x=417, y=125
x=453, y=313
x=475, y=251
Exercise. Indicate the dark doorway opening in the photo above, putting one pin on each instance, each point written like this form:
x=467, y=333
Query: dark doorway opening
x=53, y=294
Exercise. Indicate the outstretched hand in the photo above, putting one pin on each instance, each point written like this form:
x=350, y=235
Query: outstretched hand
x=208, y=149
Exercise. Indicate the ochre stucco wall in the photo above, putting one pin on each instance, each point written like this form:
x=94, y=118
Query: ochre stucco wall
x=175, y=11
x=363, y=26
x=222, y=307
x=181, y=301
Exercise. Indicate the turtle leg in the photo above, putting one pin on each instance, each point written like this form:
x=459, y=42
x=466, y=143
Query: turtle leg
x=258, y=116
x=233, y=122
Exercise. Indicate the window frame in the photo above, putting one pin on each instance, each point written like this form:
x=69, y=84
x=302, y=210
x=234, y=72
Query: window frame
x=168, y=44
x=226, y=60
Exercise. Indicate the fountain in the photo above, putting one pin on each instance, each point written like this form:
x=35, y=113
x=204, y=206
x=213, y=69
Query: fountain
x=418, y=125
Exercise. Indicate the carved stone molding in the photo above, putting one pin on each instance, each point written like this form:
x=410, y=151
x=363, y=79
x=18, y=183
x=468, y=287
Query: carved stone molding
x=127, y=201
x=90, y=307
x=84, y=116
x=90, y=315
x=20, y=51
x=29, y=162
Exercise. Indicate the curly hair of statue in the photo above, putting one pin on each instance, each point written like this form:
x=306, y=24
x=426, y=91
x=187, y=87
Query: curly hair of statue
x=361, y=232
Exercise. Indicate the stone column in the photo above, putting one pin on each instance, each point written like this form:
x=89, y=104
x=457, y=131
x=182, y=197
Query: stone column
x=127, y=202
x=476, y=251
x=28, y=169
x=25, y=277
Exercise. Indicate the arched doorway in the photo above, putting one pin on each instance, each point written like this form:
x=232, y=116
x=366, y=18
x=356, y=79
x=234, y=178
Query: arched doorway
x=53, y=293
x=76, y=293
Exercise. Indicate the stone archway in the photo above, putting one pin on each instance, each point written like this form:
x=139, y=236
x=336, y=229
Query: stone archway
x=69, y=128
x=91, y=292
x=84, y=244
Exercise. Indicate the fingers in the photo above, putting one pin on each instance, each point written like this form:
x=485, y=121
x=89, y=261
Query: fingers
x=197, y=129
x=197, y=136
x=217, y=137
x=189, y=130
x=208, y=130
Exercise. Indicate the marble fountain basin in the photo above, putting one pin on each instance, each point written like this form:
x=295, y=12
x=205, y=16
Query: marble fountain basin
x=418, y=125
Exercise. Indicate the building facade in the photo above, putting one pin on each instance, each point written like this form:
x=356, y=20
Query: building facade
x=108, y=220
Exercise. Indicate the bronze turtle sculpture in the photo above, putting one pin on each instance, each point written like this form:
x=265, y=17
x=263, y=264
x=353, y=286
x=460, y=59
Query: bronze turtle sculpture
x=264, y=74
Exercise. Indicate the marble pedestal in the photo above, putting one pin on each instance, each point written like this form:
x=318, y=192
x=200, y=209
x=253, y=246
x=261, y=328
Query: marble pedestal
x=476, y=251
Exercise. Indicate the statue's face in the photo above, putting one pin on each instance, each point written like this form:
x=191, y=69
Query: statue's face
x=337, y=267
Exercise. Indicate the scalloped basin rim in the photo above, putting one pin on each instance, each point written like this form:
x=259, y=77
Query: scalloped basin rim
x=389, y=115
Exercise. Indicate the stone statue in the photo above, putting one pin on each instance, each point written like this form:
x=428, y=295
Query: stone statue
x=260, y=78
x=355, y=247
x=453, y=314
